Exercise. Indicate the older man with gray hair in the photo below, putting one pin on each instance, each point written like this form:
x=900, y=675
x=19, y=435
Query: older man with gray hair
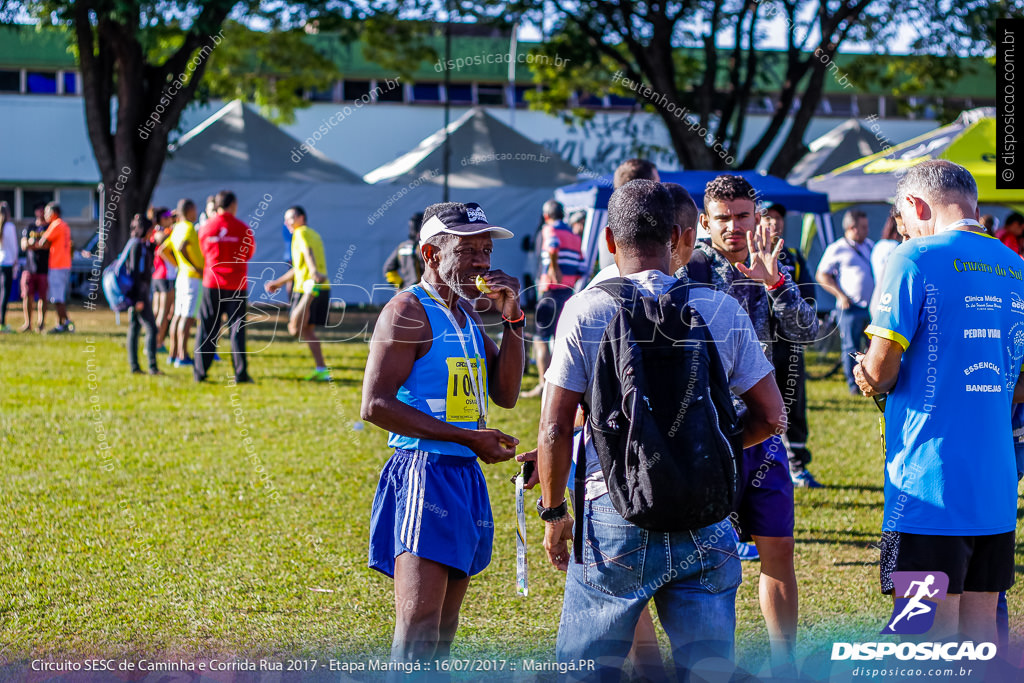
x=950, y=328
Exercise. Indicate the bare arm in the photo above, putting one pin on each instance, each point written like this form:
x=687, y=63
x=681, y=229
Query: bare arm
x=554, y=458
x=766, y=413
x=399, y=338
x=505, y=365
x=554, y=272
x=877, y=370
x=319, y=277
x=278, y=283
x=830, y=285
x=165, y=252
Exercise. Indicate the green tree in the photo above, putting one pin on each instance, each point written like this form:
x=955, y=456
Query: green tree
x=142, y=63
x=696, y=63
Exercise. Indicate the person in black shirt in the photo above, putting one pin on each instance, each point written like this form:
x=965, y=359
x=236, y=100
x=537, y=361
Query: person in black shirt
x=404, y=266
x=140, y=265
x=788, y=357
x=37, y=267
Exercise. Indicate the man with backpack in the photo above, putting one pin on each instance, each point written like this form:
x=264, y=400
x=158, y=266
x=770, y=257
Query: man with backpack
x=739, y=259
x=654, y=487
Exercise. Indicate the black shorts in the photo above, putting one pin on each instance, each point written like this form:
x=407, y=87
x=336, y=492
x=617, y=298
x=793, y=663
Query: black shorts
x=319, y=307
x=981, y=564
x=163, y=286
x=549, y=310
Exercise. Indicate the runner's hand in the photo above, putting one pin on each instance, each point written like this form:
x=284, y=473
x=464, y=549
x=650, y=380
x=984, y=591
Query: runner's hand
x=764, y=261
x=558, y=542
x=530, y=456
x=504, y=293
x=493, y=446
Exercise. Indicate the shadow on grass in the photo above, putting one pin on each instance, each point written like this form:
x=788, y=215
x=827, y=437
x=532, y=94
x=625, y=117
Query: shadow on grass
x=856, y=487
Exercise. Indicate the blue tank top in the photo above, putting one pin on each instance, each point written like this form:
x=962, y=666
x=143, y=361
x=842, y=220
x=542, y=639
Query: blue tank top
x=439, y=384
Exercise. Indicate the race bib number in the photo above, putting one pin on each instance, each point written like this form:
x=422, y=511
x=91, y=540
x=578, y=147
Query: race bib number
x=460, y=401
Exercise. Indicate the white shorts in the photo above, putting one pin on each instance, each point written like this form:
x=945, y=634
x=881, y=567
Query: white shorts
x=57, y=285
x=187, y=293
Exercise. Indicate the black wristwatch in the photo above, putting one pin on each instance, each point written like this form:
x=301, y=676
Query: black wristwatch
x=551, y=514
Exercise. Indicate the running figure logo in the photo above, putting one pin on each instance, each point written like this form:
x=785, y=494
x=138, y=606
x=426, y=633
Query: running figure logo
x=914, y=613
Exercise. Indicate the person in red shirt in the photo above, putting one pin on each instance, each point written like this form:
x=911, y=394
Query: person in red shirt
x=562, y=266
x=1010, y=233
x=228, y=245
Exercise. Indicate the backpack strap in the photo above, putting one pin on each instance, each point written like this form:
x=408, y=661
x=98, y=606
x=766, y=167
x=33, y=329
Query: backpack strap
x=621, y=289
x=580, y=490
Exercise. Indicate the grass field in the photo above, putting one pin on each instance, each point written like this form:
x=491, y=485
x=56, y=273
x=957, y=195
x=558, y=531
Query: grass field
x=150, y=516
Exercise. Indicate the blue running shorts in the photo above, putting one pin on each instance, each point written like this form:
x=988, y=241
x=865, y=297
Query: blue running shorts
x=434, y=506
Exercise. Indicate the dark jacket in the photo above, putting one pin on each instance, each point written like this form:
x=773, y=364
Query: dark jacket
x=779, y=313
x=140, y=265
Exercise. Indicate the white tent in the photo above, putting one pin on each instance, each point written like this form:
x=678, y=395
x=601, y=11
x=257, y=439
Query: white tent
x=483, y=152
x=360, y=224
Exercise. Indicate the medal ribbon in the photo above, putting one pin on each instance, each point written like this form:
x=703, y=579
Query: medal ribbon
x=475, y=380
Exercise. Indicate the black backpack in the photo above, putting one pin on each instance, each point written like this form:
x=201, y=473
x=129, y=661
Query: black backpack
x=661, y=415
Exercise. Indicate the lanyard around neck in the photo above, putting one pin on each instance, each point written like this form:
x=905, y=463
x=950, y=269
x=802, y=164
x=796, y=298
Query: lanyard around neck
x=477, y=381
x=965, y=222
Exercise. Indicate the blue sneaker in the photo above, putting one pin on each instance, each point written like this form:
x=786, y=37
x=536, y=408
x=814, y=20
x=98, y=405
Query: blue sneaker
x=805, y=480
x=747, y=552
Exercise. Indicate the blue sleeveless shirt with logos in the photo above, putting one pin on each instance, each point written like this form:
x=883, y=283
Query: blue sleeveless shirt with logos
x=440, y=384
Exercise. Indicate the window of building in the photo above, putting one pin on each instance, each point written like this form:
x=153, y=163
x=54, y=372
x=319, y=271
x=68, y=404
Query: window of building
x=490, y=93
x=868, y=105
x=585, y=99
x=10, y=81
x=325, y=95
x=70, y=83
x=8, y=196
x=390, y=92
x=29, y=199
x=41, y=83
x=76, y=203
x=463, y=94
x=617, y=101
x=426, y=92
x=521, y=91
x=353, y=90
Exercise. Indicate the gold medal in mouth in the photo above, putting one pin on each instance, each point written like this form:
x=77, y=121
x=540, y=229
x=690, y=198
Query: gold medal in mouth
x=481, y=284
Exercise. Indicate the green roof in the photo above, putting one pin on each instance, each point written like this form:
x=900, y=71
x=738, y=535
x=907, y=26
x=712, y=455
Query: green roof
x=473, y=51
x=26, y=47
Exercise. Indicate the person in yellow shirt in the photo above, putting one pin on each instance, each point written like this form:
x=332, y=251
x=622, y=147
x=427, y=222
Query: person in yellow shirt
x=188, y=285
x=311, y=292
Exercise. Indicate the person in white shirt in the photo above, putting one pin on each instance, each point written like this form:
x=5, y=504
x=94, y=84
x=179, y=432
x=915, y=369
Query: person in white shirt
x=891, y=238
x=8, y=257
x=845, y=273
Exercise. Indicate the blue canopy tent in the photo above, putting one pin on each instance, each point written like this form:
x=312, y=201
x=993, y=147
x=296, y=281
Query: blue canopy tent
x=592, y=195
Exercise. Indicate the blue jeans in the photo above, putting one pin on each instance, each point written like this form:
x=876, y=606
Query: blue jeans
x=691, y=575
x=852, y=322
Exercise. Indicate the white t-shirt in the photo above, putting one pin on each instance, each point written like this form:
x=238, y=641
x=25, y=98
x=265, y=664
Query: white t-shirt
x=587, y=314
x=850, y=265
x=8, y=244
x=879, y=256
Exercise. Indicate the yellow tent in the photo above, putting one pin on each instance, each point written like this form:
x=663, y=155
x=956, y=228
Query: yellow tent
x=969, y=141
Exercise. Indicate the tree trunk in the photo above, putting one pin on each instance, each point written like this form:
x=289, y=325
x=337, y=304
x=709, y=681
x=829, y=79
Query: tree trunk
x=149, y=99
